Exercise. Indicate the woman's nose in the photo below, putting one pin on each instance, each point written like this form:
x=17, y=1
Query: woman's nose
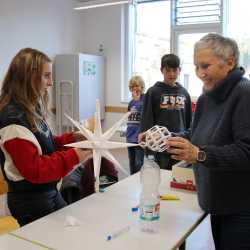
x=50, y=82
x=200, y=73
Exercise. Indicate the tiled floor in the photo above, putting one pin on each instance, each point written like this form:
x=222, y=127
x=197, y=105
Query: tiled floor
x=201, y=238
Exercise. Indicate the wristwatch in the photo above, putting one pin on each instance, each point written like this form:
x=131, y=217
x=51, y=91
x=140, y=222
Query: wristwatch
x=201, y=156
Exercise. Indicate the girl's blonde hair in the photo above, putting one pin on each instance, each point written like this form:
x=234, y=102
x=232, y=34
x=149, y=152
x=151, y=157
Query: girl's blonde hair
x=21, y=84
x=136, y=81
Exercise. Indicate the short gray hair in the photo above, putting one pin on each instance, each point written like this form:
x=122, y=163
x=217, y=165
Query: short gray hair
x=223, y=47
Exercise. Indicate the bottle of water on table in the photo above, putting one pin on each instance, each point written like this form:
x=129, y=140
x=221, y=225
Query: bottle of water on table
x=149, y=197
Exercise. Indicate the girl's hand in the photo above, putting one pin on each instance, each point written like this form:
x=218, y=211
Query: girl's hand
x=78, y=136
x=83, y=154
x=182, y=149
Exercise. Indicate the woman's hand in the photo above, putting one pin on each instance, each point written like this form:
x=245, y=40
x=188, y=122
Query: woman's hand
x=142, y=137
x=182, y=149
x=83, y=154
x=78, y=136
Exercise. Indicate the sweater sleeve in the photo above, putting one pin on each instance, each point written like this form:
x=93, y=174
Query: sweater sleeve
x=40, y=168
x=147, y=119
x=236, y=155
x=65, y=138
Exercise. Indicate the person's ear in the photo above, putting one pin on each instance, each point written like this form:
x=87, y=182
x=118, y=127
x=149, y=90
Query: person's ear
x=231, y=63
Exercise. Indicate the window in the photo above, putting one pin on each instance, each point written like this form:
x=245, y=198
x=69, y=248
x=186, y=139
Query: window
x=193, y=19
x=236, y=28
x=198, y=11
x=187, y=76
x=152, y=39
x=172, y=26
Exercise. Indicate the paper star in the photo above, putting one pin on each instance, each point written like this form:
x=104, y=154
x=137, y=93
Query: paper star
x=99, y=142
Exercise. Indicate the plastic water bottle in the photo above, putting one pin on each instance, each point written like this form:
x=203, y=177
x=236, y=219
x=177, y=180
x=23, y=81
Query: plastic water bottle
x=149, y=198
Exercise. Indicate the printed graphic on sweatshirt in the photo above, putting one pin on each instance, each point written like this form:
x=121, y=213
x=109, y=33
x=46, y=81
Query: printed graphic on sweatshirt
x=173, y=101
x=135, y=115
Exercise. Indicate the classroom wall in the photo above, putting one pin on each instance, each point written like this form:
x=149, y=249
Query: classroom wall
x=105, y=26
x=55, y=27
x=50, y=26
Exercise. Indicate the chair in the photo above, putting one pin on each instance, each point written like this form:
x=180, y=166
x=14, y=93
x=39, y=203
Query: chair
x=3, y=184
x=7, y=222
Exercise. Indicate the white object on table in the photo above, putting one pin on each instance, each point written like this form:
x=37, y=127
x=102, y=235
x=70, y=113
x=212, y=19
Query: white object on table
x=118, y=233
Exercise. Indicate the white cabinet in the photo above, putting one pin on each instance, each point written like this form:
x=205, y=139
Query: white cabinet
x=79, y=82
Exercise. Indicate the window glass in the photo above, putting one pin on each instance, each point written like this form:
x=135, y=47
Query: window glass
x=188, y=77
x=199, y=11
x=152, y=39
x=236, y=28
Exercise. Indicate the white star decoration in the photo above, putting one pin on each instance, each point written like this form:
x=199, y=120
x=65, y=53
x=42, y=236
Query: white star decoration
x=100, y=143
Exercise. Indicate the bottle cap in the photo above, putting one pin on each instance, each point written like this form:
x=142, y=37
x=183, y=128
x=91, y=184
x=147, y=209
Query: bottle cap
x=134, y=209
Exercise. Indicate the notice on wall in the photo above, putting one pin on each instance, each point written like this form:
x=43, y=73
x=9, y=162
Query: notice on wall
x=89, y=68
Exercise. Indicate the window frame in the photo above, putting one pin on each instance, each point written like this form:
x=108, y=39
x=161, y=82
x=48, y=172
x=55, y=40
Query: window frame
x=175, y=31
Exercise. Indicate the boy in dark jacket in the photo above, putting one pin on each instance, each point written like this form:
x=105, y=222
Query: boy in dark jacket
x=167, y=104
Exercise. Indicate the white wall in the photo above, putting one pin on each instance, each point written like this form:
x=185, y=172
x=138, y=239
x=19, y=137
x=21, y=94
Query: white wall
x=53, y=27
x=106, y=26
x=50, y=26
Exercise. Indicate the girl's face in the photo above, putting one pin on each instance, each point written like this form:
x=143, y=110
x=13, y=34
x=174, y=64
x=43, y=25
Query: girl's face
x=46, y=77
x=136, y=91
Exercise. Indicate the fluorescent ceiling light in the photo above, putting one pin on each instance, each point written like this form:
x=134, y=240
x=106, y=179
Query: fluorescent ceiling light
x=89, y=4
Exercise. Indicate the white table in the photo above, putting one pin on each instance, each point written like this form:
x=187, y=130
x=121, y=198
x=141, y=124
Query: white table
x=102, y=214
x=9, y=242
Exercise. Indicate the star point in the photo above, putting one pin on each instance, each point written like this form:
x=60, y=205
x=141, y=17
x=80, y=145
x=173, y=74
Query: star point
x=100, y=142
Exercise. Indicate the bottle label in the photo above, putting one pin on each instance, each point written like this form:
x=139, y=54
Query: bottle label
x=150, y=212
